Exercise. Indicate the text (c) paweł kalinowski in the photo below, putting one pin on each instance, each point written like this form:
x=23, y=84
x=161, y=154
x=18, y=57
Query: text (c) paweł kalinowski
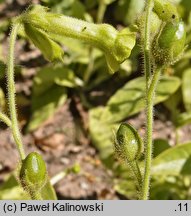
x=56, y=206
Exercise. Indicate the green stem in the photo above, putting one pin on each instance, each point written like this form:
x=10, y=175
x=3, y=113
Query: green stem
x=137, y=173
x=149, y=129
x=35, y=195
x=55, y=179
x=11, y=91
x=147, y=55
x=5, y=119
x=100, y=15
x=101, y=11
x=147, y=71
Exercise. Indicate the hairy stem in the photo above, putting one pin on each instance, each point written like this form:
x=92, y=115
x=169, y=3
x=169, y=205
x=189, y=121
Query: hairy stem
x=11, y=91
x=35, y=195
x=5, y=119
x=149, y=129
x=147, y=55
x=137, y=173
x=149, y=103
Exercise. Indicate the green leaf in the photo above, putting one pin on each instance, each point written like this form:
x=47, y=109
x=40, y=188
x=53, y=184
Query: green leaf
x=49, y=93
x=174, y=161
x=183, y=119
x=186, y=89
x=169, y=188
x=48, y=192
x=186, y=4
x=127, y=188
x=51, y=75
x=45, y=105
x=72, y=8
x=11, y=190
x=129, y=100
x=174, y=101
x=127, y=11
x=103, y=121
x=135, y=8
x=14, y=193
x=101, y=133
x=159, y=145
x=78, y=52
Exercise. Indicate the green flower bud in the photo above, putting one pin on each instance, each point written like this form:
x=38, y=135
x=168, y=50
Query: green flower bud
x=166, y=10
x=169, y=44
x=33, y=174
x=49, y=48
x=128, y=144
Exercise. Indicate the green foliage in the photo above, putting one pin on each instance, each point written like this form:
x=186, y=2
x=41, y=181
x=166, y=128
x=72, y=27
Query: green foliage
x=183, y=119
x=159, y=146
x=124, y=103
x=48, y=192
x=53, y=85
x=127, y=11
x=103, y=136
x=129, y=100
x=174, y=161
x=11, y=190
x=186, y=89
x=154, y=26
x=72, y=8
x=49, y=93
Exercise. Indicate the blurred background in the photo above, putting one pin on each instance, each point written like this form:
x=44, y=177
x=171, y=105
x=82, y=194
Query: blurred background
x=69, y=112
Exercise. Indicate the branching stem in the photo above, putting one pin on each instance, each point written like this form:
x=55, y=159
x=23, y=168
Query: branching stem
x=149, y=102
x=149, y=129
x=5, y=119
x=137, y=173
x=147, y=55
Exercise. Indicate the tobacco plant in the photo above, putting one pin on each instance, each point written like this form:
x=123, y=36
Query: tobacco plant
x=162, y=38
